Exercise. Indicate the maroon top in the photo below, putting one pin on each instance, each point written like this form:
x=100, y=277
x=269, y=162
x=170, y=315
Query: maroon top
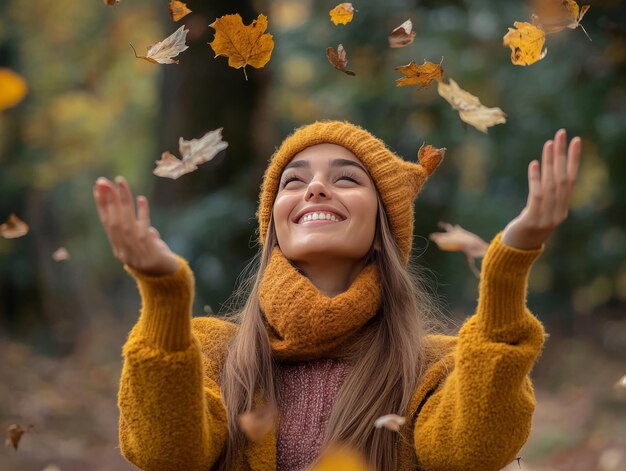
x=306, y=393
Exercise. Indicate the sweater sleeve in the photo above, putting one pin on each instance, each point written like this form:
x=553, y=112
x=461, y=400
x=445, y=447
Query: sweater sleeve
x=480, y=415
x=171, y=415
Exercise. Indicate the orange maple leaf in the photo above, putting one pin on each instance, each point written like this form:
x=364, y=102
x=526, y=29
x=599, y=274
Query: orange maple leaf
x=178, y=10
x=526, y=43
x=422, y=75
x=342, y=14
x=338, y=59
x=243, y=45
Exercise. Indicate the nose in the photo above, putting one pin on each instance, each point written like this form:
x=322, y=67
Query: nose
x=316, y=190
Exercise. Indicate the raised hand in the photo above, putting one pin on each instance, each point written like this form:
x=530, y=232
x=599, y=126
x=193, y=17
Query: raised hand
x=133, y=240
x=550, y=191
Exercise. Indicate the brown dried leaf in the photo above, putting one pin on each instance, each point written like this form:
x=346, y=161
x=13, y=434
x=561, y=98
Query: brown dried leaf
x=430, y=157
x=470, y=109
x=422, y=75
x=178, y=10
x=162, y=52
x=258, y=422
x=342, y=14
x=457, y=239
x=13, y=228
x=14, y=434
x=553, y=16
x=338, y=59
x=60, y=254
x=391, y=421
x=111, y=3
x=402, y=35
x=194, y=153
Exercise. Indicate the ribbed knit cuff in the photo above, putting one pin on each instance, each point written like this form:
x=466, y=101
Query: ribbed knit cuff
x=503, y=285
x=165, y=319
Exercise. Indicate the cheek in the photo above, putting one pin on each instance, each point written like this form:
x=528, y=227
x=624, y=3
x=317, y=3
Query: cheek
x=283, y=206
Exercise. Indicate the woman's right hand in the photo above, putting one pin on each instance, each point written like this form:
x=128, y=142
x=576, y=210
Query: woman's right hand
x=133, y=240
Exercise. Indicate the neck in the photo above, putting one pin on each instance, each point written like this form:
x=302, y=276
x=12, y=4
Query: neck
x=331, y=276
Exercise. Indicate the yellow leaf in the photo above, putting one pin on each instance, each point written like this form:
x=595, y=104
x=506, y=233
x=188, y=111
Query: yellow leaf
x=457, y=239
x=422, y=75
x=338, y=59
x=402, y=35
x=13, y=228
x=178, y=10
x=470, y=109
x=526, y=43
x=13, y=88
x=342, y=14
x=243, y=45
x=162, y=52
x=194, y=152
x=556, y=15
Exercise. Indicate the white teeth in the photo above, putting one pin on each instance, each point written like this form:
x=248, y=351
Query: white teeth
x=316, y=216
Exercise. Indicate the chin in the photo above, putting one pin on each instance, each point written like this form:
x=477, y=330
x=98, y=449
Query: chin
x=316, y=251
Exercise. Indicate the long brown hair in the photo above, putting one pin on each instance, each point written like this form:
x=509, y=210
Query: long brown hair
x=387, y=357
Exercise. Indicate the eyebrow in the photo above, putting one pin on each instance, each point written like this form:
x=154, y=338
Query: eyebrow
x=333, y=163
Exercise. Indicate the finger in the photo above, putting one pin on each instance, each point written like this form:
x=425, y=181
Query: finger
x=573, y=160
x=143, y=218
x=534, y=190
x=100, y=204
x=560, y=158
x=114, y=215
x=128, y=219
x=547, y=181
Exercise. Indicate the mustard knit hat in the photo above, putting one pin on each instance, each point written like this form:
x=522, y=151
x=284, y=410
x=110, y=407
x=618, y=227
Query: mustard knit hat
x=398, y=182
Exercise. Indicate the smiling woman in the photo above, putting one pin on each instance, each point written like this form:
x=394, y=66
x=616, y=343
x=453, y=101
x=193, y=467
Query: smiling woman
x=336, y=332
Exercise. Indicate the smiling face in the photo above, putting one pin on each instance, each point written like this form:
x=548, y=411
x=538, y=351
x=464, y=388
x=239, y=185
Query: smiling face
x=326, y=206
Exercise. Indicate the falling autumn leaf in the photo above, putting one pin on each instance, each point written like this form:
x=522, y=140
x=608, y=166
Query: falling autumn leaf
x=242, y=44
x=422, y=75
x=13, y=88
x=178, y=10
x=621, y=383
x=338, y=59
x=457, y=239
x=60, y=254
x=390, y=421
x=340, y=458
x=162, y=53
x=470, y=109
x=402, y=35
x=258, y=422
x=194, y=153
x=342, y=14
x=553, y=16
x=111, y=3
x=526, y=43
x=14, y=434
x=13, y=228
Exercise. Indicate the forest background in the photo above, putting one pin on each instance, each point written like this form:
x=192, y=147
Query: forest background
x=93, y=109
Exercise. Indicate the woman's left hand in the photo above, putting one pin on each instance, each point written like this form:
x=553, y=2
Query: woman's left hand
x=549, y=194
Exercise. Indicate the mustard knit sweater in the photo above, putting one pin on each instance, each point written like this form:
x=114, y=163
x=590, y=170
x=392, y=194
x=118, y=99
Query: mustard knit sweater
x=472, y=411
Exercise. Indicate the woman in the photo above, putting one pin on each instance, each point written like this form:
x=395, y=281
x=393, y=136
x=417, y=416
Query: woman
x=335, y=331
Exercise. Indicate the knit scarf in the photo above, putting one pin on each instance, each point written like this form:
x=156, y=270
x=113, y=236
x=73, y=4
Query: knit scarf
x=304, y=324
